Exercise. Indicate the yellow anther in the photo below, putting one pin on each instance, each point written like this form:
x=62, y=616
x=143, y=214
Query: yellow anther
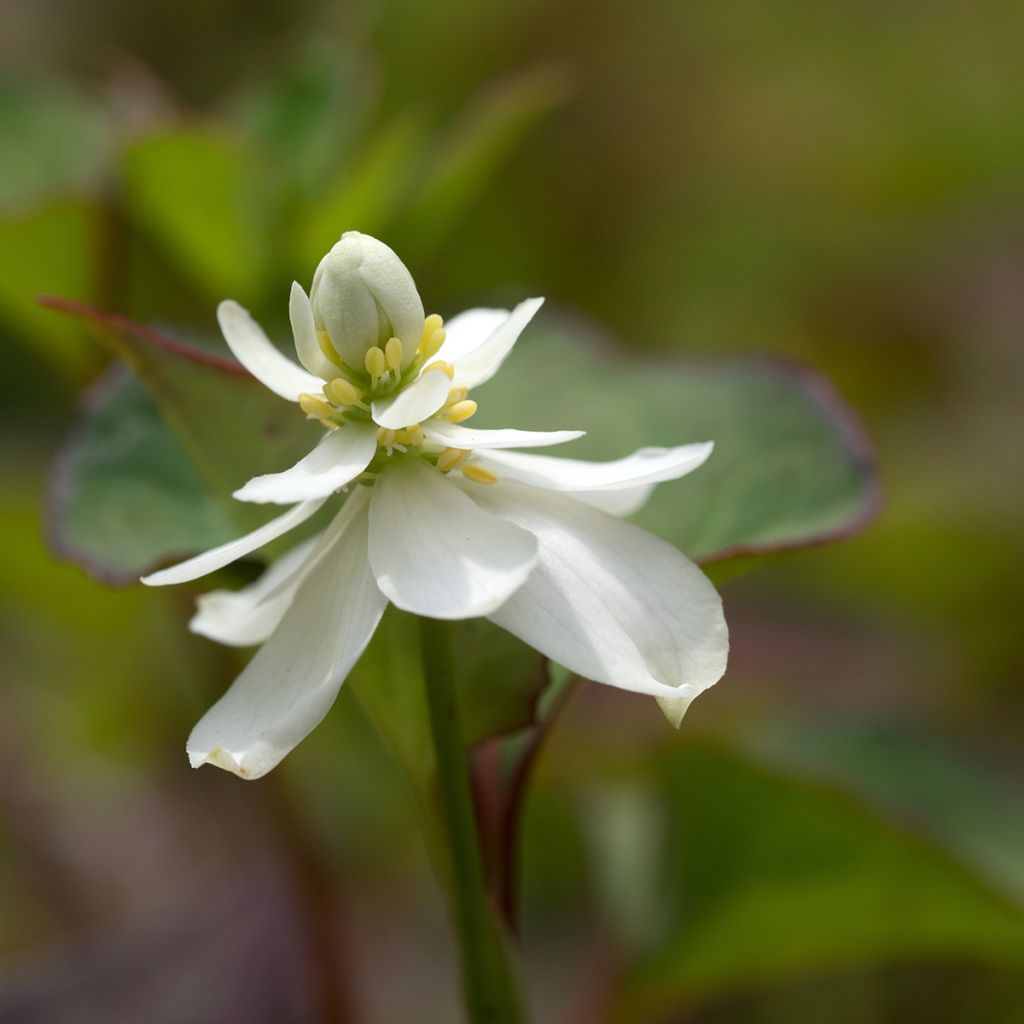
x=443, y=366
x=456, y=395
x=342, y=392
x=432, y=343
x=430, y=324
x=386, y=437
x=315, y=407
x=393, y=354
x=412, y=436
x=461, y=411
x=376, y=363
x=327, y=347
x=450, y=458
x=479, y=474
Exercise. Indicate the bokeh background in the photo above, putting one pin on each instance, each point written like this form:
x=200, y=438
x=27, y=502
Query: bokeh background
x=836, y=835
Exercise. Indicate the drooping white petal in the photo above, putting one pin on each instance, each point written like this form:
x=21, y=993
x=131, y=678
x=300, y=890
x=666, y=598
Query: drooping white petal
x=422, y=398
x=300, y=312
x=609, y=600
x=644, y=466
x=481, y=363
x=256, y=352
x=469, y=330
x=338, y=459
x=435, y=552
x=240, y=618
x=290, y=684
x=455, y=435
x=217, y=558
x=622, y=502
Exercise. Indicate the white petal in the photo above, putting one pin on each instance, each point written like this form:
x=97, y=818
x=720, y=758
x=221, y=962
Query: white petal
x=255, y=351
x=422, y=398
x=240, y=618
x=307, y=348
x=645, y=466
x=611, y=601
x=338, y=459
x=290, y=684
x=481, y=363
x=469, y=330
x=455, y=435
x=217, y=558
x=622, y=502
x=436, y=553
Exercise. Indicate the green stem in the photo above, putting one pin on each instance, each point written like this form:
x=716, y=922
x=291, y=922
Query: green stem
x=489, y=982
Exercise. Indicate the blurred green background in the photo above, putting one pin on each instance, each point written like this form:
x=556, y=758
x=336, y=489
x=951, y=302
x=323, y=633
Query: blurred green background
x=836, y=835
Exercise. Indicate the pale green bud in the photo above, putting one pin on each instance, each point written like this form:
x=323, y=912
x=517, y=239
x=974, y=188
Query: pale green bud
x=363, y=296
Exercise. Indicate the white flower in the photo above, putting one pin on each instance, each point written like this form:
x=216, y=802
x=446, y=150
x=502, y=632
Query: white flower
x=440, y=519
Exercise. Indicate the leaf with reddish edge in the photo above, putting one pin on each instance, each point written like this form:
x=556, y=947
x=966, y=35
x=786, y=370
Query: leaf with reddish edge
x=228, y=423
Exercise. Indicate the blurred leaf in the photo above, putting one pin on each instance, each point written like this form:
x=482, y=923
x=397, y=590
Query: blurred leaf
x=790, y=465
x=476, y=149
x=768, y=875
x=50, y=249
x=230, y=425
x=307, y=116
x=366, y=195
x=54, y=141
x=124, y=494
x=930, y=784
x=199, y=194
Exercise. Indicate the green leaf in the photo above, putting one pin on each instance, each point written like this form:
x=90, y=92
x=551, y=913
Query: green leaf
x=51, y=248
x=790, y=465
x=476, y=149
x=206, y=405
x=767, y=875
x=199, y=195
x=124, y=494
x=229, y=423
x=366, y=195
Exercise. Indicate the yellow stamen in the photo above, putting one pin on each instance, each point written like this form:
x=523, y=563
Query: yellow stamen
x=376, y=364
x=446, y=368
x=386, y=437
x=316, y=408
x=430, y=324
x=461, y=411
x=456, y=395
x=342, y=392
x=412, y=436
x=432, y=343
x=479, y=474
x=450, y=458
x=393, y=354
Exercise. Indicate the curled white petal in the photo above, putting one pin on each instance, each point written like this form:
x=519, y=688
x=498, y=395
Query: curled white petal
x=257, y=353
x=480, y=363
x=644, y=466
x=290, y=684
x=240, y=618
x=611, y=601
x=307, y=348
x=217, y=558
x=469, y=330
x=338, y=459
x=456, y=435
x=435, y=552
x=422, y=398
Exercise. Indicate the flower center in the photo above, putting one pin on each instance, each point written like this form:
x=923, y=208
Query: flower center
x=347, y=397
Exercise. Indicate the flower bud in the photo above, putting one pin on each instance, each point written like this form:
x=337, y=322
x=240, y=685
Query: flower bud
x=363, y=296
